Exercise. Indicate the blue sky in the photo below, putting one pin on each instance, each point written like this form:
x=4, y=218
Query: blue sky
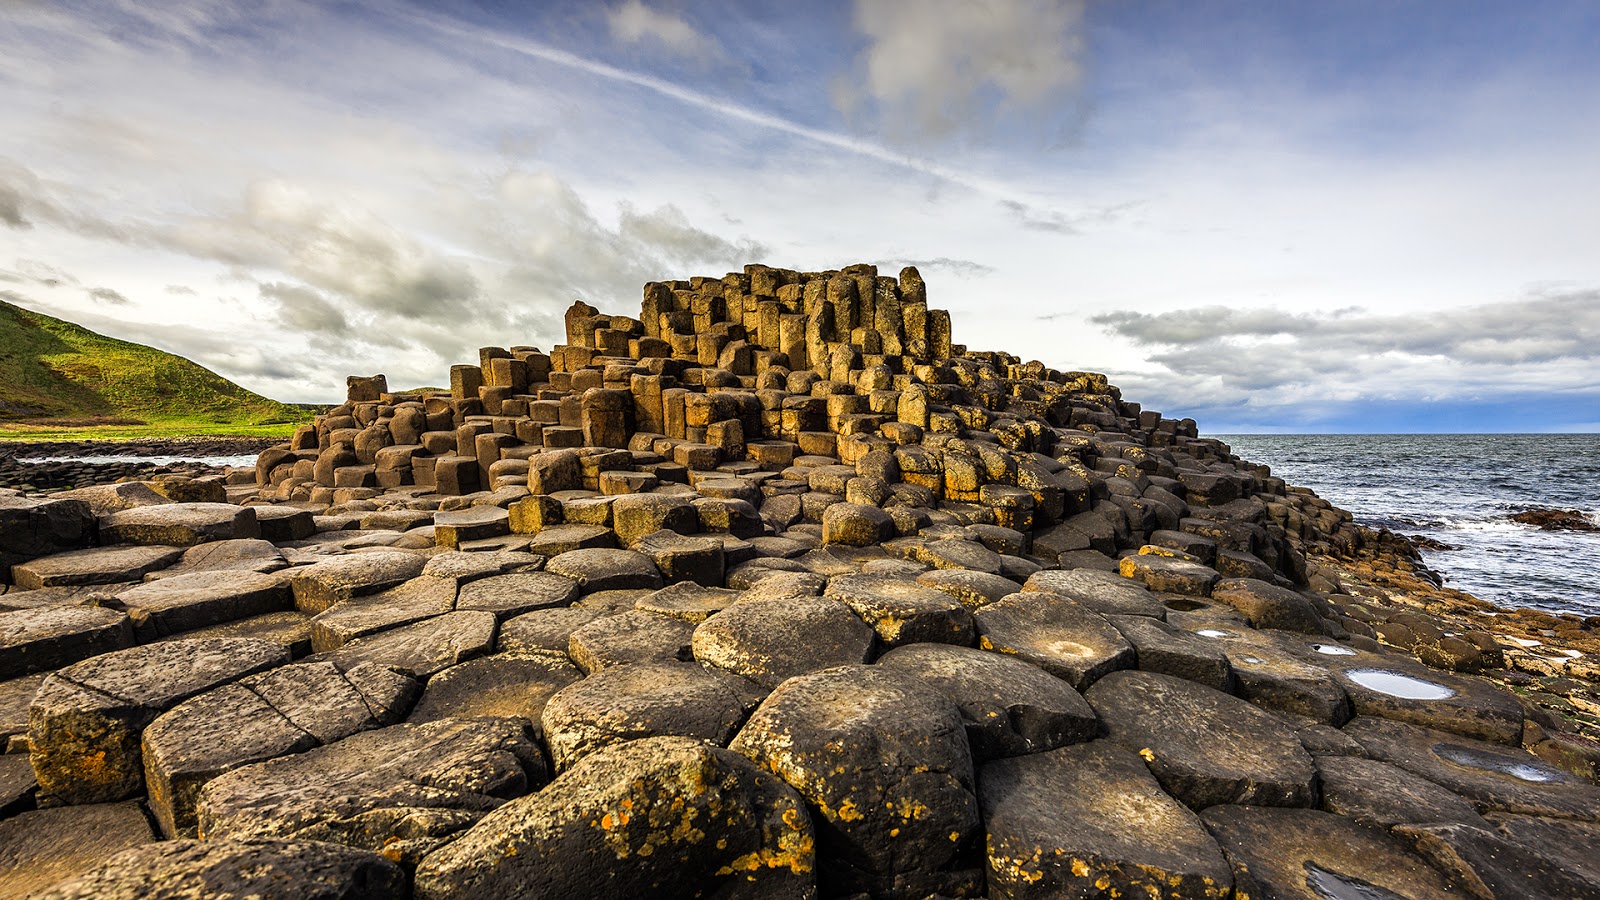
x=1340, y=216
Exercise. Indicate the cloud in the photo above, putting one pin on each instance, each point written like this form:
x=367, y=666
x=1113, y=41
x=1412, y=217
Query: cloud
x=32, y=271
x=939, y=67
x=18, y=186
x=303, y=309
x=668, y=231
x=180, y=289
x=107, y=295
x=634, y=23
x=961, y=268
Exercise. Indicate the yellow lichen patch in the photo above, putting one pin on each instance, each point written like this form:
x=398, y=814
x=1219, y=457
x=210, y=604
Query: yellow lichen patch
x=847, y=812
x=1148, y=754
x=1080, y=869
x=955, y=836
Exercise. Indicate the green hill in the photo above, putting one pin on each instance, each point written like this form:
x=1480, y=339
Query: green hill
x=55, y=372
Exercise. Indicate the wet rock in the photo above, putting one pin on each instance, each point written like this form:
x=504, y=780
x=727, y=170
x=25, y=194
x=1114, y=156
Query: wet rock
x=85, y=722
x=1204, y=746
x=39, y=640
x=607, y=570
x=973, y=589
x=1271, y=672
x=1056, y=634
x=1490, y=865
x=1090, y=820
x=424, y=648
x=903, y=611
x=503, y=685
x=423, y=597
x=200, y=599
x=770, y=641
x=99, y=565
x=40, y=848
x=1387, y=687
x=624, y=703
x=518, y=593
x=319, y=586
x=1166, y=650
x=179, y=524
x=631, y=637
x=400, y=791
x=1010, y=708
x=1380, y=794
x=614, y=824
x=266, y=870
x=1555, y=520
x=883, y=765
x=1268, y=606
x=1302, y=853
x=272, y=714
x=1491, y=776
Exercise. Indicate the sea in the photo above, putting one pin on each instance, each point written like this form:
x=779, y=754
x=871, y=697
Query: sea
x=1460, y=490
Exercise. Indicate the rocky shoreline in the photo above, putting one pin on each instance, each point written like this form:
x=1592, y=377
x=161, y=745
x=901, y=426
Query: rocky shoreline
x=772, y=591
x=44, y=477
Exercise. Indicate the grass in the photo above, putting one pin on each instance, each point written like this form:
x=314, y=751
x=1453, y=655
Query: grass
x=60, y=381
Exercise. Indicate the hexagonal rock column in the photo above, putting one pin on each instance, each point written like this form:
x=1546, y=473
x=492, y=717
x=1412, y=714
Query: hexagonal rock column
x=1090, y=821
x=265, y=870
x=38, y=640
x=86, y=721
x=770, y=641
x=659, y=817
x=179, y=524
x=1057, y=634
x=883, y=765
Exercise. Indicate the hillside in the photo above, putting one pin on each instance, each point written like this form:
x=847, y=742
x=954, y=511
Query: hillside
x=51, y=369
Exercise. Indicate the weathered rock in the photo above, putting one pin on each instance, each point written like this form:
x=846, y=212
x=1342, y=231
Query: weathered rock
x=1527, y=857
x=40, y=848
x=1266, y=605
x=1174, y=576
x=624, y=703
x=98, y=565
x=16, y=695
x=200, y=599
x=265, y=870
x=39, y=640
x=769, y=641
x=1308, y=855
x=1090, y=821
x=424, y=648
x=104, y=499
x=319, y=586
x=32, y=528
x=856, y=525
x=1384, y=795
x=18, y=787
x=660, y=817
x=973, y=589
x=451, y=528
x=1391, y=688
x=1490, y=776
x=241, y=555
x=883, y=765
x=903, y=611
x=547, y=632
x=400, y=791
x=1056, y=634
x=513, y=595
x=1166, y=650
x=688, y=601
x=469, y=567
x=606, y=570
x=958, y=554
x=1204, y=746
x=86, y=720
x=1104, y=592
x=179, y=524
x=696, y=558
x=567, y=538
x=636, y=515
x=1010, y=707
x=630, y=637
x=290, y=629
x=272, y=714
x=423, y=597
x=503, y=685
x=1269, y=671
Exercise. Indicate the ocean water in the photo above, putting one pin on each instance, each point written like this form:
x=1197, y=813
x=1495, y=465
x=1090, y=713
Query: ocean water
x=1460, y=489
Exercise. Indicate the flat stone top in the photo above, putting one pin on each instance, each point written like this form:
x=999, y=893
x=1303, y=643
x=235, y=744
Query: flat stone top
x=158, y=675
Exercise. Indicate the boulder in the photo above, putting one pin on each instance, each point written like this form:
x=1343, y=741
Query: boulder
x=1057, y=634
x=624, y=703
x=39, y=640
x=903, y=611
x=1090, y=821
x=883, y=765
x=261, y=870
x=606, y=570
x=401, y=791
x=770, y=641
x=1204, y=746
x=31, y=528
x=85, y=723
x=268, y=715
x=679, y=558
x=1173, y=576
x=97, y=565
x=1010, y=708
x=659, y=817
x=179, y=524
x=1303, y=853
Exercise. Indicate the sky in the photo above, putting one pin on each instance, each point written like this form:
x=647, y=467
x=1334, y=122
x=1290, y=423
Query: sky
x=1338, y=216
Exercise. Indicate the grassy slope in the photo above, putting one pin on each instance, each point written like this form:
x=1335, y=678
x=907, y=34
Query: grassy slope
x=51, y=369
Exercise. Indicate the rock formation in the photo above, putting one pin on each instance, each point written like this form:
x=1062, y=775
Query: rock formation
x=772, y=591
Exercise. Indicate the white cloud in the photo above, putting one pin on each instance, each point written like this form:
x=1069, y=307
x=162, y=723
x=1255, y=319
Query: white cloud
x=937, y=67
x=633, y=22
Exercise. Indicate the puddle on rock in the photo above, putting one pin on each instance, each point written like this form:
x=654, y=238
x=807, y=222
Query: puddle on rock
x=1529, y=771
x=1184, y=605
x=1395, y=684
x=1333, y=650
x=1330, y=885
x=1214, y=633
